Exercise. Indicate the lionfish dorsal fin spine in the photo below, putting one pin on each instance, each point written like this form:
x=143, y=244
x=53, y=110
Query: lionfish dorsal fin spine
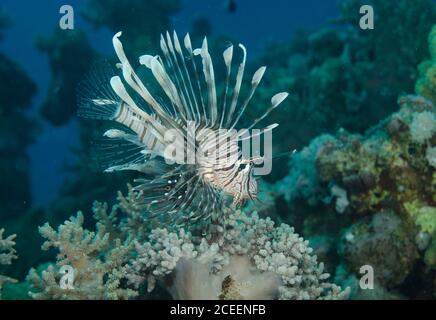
x=184, y=76
x=146, y=60
x=191, y=93
x=257, y=77
x=168, y=86
x=139, y=87
x=275, y=102
x=242, y=136
x=209, y=77
x=121, y=91
x=228, y=56
x=120, y=134
x=237, y=87
x=171, y=59
x=278, y=98
x=188, y=46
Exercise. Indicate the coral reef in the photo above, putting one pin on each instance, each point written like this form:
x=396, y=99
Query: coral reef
x=386, y=180
x=98, y=258
x=303, y=180
x=247, y=258
x=7, y=254
x=382, y=184
x=251, y=259
x=98, y=264
x=386, y=243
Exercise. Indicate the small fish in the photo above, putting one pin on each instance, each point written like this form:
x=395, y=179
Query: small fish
x=184, y=186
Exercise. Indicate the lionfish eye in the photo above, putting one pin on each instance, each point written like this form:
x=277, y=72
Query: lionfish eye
x=242, y=166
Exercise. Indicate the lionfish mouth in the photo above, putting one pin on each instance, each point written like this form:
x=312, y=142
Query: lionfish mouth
x=178, y=181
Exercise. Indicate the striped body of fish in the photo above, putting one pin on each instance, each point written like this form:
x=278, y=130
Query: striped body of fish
x=185, y=143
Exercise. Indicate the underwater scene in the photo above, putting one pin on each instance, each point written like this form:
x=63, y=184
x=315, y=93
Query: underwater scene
x=218, y=150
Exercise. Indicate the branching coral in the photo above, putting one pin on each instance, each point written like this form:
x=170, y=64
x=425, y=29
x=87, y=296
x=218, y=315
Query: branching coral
x=7, y=251
x=246, y=258
x=99, y=259
x=251, y=258
x=7, y=254
x=98, y=263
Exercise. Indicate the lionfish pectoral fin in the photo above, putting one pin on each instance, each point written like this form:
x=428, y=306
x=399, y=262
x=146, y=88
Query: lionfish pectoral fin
x=179, y=196
x=121, y=134
x=115, y=154
x=95, y=97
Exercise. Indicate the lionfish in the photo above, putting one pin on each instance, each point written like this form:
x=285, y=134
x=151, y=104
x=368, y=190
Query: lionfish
x=170, y=186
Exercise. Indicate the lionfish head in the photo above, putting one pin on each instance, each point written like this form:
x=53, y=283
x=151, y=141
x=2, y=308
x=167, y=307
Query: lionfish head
x=244, y=186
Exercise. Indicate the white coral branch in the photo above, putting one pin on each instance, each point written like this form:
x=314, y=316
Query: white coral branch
x=7, y=254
